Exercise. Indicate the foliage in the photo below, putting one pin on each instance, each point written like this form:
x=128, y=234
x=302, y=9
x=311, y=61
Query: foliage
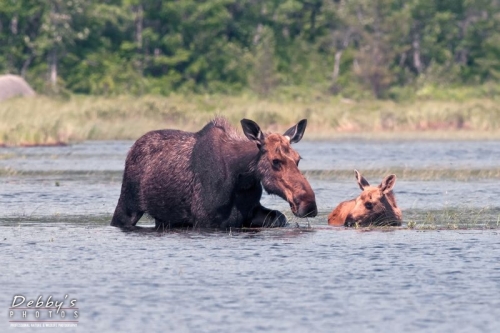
x=356, y=48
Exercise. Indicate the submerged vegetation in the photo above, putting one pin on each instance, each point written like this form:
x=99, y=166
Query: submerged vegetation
x=453, y=219
x=43, y=120
x=385, y=69
x=410, y=174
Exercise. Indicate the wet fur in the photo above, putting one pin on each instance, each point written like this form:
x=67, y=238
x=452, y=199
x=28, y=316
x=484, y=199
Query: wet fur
x=353, y=212
x=208, y=179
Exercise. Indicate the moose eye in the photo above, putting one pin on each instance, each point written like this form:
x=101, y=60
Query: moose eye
x=368, y=205
x=276, y=164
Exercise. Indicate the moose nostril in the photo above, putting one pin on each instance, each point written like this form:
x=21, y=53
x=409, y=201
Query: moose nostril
x=308, y=210
x=306, y=204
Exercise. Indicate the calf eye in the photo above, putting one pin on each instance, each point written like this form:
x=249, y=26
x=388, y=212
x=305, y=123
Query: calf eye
x=277, y=164
x=368, y=205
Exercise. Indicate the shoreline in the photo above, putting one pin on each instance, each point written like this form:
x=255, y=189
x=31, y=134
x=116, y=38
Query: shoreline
x=44, y=121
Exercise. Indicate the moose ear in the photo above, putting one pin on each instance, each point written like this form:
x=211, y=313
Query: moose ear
x=387, y=184
x=252, y=130
x=362, y=182
x=296, y=132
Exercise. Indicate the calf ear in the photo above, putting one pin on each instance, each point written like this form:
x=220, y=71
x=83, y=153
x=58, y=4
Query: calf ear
x=296, y=132
x=362, y=182
x=252, y=130
x=387, y=184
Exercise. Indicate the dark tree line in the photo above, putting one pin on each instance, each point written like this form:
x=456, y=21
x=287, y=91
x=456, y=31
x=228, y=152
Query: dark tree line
x=341, y=46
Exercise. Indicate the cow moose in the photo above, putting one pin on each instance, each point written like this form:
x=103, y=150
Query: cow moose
x=213, y=178
x=376, y=206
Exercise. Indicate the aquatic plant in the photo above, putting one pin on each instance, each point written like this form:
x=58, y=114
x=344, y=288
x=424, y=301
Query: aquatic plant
x=453, y=218
x=421, y=174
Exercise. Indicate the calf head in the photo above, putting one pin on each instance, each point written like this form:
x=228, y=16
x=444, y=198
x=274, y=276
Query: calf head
x=277, y=166
x=376, y=205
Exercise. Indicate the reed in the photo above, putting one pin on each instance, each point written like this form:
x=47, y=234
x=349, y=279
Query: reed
x=461, y=218
x=42, y=120
x=426, y=174
x=453, y=219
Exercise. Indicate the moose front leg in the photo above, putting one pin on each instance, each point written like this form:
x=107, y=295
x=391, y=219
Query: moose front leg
x=266, y=218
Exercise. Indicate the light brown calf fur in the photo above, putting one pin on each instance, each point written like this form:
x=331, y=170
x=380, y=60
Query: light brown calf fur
x=376, y=205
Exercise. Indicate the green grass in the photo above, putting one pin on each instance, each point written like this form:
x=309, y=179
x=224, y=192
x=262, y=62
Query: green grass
x=42, y=120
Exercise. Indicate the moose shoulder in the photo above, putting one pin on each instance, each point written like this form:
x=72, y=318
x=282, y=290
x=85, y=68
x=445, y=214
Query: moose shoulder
x=213, y=178
x=376, y=205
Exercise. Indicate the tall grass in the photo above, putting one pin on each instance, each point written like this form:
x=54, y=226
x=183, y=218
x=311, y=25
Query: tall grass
x=42, y=120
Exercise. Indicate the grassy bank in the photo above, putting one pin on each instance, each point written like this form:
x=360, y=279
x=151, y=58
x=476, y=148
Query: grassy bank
x=41, y=120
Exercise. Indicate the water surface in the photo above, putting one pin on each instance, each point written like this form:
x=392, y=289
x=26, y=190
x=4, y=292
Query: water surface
x=56, y=204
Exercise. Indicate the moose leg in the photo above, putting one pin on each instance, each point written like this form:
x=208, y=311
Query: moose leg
x=267, y=218
x=125, y=218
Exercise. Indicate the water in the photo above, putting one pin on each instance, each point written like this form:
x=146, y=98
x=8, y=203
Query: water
x=404, y=154
x=55, y=240
x=89, y=175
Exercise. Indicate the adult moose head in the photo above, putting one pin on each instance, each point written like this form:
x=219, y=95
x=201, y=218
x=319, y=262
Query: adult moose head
x=376, y=205
x=213, y=178
x=278, y=164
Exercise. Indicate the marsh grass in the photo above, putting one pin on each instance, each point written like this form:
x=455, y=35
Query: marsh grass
x=29, y=219
x=419, y=220
x=42, y=120
x=100, y=174
x=453, y=219
x=426, y=174
x=446, y=219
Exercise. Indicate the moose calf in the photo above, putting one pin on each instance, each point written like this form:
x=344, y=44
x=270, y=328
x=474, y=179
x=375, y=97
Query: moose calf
x=376, y=205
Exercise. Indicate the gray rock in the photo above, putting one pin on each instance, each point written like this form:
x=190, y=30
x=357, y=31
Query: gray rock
x=12, y=86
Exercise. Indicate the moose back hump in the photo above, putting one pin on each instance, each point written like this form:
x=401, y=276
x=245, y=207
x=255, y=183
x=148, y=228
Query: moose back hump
x=213, y=178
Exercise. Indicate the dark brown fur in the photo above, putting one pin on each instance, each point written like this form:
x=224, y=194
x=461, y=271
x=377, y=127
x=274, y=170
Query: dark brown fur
x=213, y=178
x=376, y=205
